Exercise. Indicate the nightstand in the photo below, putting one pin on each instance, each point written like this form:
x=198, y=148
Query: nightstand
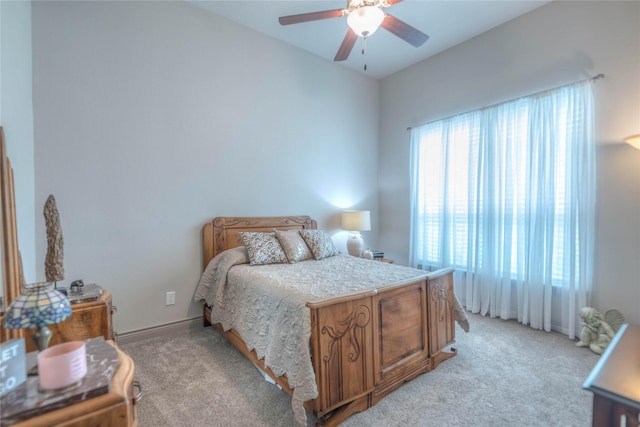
x=387, y=260
x=104, y=397
x=614, y=381
x=88, y=319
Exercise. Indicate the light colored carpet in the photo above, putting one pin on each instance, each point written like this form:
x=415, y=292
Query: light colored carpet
x=505, y=374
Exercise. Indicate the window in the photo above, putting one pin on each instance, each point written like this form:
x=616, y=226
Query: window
x=506, y=193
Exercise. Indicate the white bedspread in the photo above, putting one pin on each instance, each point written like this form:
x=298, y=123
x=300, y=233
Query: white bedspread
x=266, y=305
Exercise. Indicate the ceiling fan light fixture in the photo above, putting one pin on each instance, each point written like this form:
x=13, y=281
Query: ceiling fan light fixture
x=365, y=20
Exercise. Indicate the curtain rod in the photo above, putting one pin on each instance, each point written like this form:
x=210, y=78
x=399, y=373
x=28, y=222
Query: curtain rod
x=593, y=79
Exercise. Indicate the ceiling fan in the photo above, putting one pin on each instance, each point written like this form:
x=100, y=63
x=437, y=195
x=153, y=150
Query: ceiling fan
x=364, y=17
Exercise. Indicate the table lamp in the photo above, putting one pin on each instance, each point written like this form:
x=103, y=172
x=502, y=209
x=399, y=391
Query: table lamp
x=356, y=221
x=37, y=308
x=634, y=141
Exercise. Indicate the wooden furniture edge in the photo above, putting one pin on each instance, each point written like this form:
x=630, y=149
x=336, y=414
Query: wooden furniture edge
x=88, y=319
x=122, y=383
x=333, y=300
x=218, y=233
x=614, y=379
x=119, y=391
x=11, y=265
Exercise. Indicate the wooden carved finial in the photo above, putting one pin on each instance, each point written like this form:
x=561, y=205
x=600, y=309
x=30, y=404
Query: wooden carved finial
x=54, y=261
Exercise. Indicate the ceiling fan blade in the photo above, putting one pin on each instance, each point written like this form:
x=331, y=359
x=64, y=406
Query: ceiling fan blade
x=405, y=31
x=346, y=46
x=312, y=16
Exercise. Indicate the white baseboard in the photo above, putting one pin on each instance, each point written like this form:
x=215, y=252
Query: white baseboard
x=156, y=331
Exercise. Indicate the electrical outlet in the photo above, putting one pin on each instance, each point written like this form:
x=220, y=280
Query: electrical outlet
x=171, y=298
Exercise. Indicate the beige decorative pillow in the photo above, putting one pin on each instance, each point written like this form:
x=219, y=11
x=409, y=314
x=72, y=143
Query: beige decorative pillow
x=263, y=248
x=293, y=245
x=320, y=243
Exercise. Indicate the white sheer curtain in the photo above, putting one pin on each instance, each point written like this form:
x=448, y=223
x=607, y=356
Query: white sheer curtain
x=506, y=196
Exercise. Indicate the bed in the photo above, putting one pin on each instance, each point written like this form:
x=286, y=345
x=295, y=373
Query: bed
x=354, y=346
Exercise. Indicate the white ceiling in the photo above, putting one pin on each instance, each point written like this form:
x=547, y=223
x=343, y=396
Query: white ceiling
x=447, y=23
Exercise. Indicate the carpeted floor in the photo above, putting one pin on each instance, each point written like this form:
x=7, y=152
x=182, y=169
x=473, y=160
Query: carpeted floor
x=505, y=374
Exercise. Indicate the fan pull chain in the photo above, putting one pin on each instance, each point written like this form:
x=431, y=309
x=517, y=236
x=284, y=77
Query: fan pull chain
x=364, y=50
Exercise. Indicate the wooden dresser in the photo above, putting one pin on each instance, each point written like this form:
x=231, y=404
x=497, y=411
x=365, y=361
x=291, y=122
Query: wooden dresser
x=615, y=381
x=88, y=320
x=113, y=406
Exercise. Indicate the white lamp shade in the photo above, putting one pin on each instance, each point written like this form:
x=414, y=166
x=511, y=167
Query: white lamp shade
x=356, y=220
x=365, y=20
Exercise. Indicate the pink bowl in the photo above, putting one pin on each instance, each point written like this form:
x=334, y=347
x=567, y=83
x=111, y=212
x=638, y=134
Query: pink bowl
x=62, y=365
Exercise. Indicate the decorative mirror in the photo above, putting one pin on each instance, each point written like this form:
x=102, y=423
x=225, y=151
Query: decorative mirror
x=9, y=249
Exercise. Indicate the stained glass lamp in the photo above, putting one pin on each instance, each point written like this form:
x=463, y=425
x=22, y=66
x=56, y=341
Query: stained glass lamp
x=37, y=308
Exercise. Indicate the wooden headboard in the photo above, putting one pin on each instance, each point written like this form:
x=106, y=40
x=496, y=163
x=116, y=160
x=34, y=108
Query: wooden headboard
x=224, y=231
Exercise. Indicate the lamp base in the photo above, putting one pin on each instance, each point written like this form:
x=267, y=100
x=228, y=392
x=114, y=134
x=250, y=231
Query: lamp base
x=42, y=338
x=355, y=244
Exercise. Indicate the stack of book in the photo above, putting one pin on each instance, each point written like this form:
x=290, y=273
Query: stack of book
x=87, y=292
x=377, y=254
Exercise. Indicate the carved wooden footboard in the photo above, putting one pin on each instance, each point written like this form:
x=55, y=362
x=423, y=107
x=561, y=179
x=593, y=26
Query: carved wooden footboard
x=364, y=348
x=365, y=345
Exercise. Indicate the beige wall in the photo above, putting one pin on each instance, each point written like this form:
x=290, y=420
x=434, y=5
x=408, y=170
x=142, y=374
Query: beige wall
x=558, y=43
x=152, y=118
